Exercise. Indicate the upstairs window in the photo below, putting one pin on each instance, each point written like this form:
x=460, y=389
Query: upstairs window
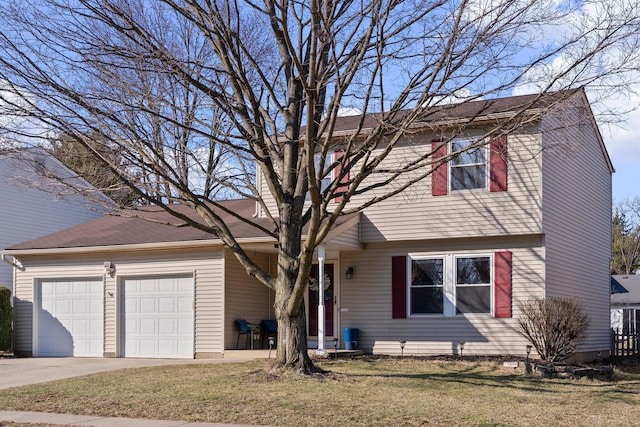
x=480, y=168
x=333, y=156
x=326, y=181
x=469, y=168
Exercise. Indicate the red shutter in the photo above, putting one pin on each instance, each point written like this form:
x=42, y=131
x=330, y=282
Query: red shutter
x=498, y=163
x=337, y=155
x=439, y=175
x=502, y=284
x=399, y=287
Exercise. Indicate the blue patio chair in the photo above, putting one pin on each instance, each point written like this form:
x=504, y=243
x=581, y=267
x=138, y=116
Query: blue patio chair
x=247, y=329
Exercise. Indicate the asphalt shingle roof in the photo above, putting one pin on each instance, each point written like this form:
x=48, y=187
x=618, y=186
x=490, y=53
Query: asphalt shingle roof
x=126, y=230
x=625, y=289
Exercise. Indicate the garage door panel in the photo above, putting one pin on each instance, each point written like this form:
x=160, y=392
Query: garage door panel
x=167, y=326
x=161, y=325
x=147, y=305
x=70, y=318
x=147, y=326
x=166, y=305
x=80, y=306
x=167, y=286
x=145, y=286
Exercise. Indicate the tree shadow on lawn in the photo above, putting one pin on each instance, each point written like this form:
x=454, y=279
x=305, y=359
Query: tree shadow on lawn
x=491, y=373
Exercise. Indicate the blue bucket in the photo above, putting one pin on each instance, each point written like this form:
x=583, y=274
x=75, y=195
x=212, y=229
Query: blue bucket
x=350, y=338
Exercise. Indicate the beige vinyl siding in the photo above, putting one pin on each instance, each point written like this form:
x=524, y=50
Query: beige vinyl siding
x=366, y=300
x=415, y=214
x=245, y=297
x=348, y=239
x=576, y=213
x=205, y=265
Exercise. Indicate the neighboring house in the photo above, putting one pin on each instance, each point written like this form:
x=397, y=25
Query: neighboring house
x=28, y=210
x=625, y=303
x=448, y=261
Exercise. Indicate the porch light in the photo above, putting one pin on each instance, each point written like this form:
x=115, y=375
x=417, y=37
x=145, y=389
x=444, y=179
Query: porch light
x=402, y=343
x=461, y=345
x=349, y=273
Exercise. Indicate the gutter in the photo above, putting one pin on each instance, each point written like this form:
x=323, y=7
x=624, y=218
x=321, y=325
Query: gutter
x=13, y=263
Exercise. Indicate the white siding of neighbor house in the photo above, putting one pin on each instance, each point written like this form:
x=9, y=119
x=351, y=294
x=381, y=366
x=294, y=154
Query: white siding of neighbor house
x=366, y=300
x=205, y=265
x=245, y=297
x=415, y=214
x=576, y=212
x=28, y=212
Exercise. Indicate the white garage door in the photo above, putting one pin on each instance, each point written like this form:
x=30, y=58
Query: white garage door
x=158, y=317
x=70, y=318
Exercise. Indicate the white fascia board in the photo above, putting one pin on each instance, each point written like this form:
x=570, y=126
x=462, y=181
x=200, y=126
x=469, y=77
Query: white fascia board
x=132, y=247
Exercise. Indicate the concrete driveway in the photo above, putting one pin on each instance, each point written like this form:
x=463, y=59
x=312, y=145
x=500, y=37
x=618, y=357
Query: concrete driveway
x=24, y=371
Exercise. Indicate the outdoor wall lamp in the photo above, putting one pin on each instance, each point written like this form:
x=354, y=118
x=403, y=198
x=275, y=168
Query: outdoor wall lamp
x=461, y=345
x=109, y=268
x=349, y=273
x=402, y=343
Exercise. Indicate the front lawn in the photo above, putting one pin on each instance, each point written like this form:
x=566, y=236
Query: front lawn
x=366, y=392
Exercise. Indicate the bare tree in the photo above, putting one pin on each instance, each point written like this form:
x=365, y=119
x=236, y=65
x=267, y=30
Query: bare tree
x=626, y=237
x=231, y=91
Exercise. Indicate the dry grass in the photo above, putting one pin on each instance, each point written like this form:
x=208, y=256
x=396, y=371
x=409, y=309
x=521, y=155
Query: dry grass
x=360, y=392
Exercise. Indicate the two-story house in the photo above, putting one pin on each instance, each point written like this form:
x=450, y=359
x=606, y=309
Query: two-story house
x=447, y=261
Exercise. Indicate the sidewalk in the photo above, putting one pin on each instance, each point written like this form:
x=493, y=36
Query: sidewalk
x=87, y=420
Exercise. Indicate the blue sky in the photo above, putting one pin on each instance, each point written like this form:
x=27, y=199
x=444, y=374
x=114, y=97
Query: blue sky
x=623, y=144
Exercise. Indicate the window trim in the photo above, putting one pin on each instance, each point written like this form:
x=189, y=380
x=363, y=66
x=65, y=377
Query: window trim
x=484, y=147
x=490, y=284
x=449, y=285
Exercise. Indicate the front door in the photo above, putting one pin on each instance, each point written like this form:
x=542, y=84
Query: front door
x=329, y=301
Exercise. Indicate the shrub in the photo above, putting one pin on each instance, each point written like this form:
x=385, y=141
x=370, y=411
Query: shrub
x=6, y=319
x=554, y=326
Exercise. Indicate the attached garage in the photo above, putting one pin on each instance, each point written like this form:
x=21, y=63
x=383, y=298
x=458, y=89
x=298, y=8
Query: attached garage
x=69, y=318
x=157, y=317
x=156, y=290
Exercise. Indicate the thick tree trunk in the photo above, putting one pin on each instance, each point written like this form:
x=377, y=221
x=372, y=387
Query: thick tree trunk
x=292, y=343
x=292, y=353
